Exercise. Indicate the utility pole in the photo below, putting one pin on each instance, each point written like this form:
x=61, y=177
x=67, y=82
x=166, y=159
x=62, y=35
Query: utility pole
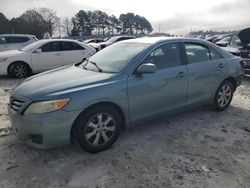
x=159, y=27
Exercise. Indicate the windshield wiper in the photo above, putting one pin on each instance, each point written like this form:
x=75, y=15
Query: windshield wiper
x=93, y=63
x=98, y=68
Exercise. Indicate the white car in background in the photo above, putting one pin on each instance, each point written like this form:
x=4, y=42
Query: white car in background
x=43, y=55
x=15, y=41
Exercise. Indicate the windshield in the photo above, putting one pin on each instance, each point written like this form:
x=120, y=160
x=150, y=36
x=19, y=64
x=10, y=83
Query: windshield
x=113, y=39
x=31, y=46
x=114, y=58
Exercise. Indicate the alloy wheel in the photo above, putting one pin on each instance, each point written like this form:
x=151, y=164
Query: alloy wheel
x=224, y=95
x=100, y=129
x=20, y=71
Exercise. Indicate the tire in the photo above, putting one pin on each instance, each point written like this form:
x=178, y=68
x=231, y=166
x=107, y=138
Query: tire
x=97, y=129
x=19, y=70
x=223, y=96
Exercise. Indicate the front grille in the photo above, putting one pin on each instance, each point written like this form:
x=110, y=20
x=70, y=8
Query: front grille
x=16, y=104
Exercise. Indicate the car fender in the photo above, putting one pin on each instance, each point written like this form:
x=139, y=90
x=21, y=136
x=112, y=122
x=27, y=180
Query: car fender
x=21, y=58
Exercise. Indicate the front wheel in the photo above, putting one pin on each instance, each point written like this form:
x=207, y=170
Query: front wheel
x=223, y=96
x=19, y=70
x=97, y=129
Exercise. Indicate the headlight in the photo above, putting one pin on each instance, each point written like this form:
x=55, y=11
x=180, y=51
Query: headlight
x=46, y=106
x=3, y=59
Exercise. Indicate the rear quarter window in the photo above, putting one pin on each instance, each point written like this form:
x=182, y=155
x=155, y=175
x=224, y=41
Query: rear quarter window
x=69, y=46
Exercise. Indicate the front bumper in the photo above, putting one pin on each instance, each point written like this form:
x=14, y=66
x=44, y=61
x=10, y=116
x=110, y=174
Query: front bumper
x=44, y=131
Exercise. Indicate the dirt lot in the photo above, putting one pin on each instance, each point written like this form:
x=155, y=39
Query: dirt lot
x=199, y=149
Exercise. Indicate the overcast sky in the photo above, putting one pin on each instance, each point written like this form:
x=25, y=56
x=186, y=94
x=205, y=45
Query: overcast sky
x=173, y=16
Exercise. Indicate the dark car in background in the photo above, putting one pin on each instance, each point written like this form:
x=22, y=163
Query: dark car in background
x=15, y=41
x=93, y=40
x=114, y=39
x=224, y=41
x=239, y=45
x=220, y=37
x=211, y=38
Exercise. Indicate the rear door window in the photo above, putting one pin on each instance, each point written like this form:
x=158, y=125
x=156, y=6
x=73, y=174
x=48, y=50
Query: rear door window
x=51, y=47
x=69, y=46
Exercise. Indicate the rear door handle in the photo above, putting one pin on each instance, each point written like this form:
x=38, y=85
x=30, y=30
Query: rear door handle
x=181, y=74
x=58, y=54
x=221, y=65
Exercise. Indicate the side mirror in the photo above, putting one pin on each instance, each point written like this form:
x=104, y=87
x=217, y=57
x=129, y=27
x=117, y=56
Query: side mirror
x=147, y=68
x=38, y=50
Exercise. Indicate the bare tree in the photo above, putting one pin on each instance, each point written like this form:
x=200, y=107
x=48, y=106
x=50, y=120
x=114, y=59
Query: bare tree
x=67, y=26
x=30, y=22
x=51, y=19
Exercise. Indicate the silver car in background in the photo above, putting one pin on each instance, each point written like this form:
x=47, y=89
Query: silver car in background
x=15, y=41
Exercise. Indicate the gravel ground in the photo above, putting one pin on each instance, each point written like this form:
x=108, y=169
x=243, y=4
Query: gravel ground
x=200, y=148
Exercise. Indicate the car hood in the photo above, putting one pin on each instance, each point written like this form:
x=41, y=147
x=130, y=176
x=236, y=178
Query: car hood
x=10, y=53
x=244, y=36
x=58, y=82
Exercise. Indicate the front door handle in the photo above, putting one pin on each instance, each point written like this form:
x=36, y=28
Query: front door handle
x=181, y=74
x=58, y=54
x=221, y=65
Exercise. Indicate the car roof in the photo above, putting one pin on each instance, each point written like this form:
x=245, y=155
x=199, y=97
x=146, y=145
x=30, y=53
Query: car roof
x=60, y=40
x=71, y=40
x=93, y=39
x=122, y=36
x=43, y=41
x=159, y=40
x=16, y=35
x=153, y=40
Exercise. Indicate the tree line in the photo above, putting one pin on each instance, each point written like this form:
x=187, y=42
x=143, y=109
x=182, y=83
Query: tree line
x=89, y=22
x=44, y=21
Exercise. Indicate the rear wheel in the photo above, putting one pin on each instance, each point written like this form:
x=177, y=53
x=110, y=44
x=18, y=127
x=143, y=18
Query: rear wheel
x=223, y=96
x=97, y=129
x=19, y=70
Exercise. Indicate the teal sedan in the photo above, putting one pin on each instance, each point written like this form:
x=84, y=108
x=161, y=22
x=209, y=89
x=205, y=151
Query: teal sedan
x=129, y=82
